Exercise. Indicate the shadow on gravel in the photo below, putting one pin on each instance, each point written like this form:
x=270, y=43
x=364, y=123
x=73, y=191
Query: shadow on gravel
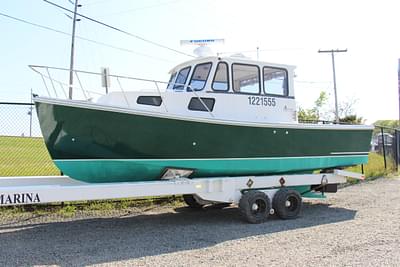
x=104, y=240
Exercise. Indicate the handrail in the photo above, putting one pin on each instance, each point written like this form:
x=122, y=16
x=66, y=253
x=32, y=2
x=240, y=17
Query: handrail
x=97, y=73
x=123, y=92
x=117, y=77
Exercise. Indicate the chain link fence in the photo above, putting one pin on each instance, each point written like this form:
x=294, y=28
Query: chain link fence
x=22, y=149
x=385, y=142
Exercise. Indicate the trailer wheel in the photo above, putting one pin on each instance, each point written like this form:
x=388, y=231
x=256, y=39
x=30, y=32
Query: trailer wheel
x=192, y=202
x=255, y=206
x=287, y=203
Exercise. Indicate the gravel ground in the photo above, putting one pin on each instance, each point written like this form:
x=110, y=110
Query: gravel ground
x=359, y=226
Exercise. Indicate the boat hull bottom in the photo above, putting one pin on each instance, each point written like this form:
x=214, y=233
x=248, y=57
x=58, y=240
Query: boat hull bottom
x=130, y=170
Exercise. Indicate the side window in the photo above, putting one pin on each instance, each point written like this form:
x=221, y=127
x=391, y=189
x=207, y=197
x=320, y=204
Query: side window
x=181, y=78
x=275, y=81
x=246, y=78
x=220, y=82
x=206, y=104
x=171, y=81
x=149, y=100
x=200, y=76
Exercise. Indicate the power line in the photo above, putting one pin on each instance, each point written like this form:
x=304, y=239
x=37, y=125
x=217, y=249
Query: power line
x=83, y=38
x=141, y=8
x=120, y=30
x=96, y=2
x=262, y=50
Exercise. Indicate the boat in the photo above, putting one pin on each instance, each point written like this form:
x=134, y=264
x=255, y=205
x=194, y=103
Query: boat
x=217, y=117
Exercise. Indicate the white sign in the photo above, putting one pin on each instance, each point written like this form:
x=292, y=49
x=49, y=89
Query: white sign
x=202, y=42
x=105, y=79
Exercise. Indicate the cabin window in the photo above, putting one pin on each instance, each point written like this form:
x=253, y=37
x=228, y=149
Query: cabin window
x=275, y=81
x=199, y=76
x=220, y=82
x=196, y=104
x=171, y=81
x=149, y=100
x=246, y=78
x=181, y=78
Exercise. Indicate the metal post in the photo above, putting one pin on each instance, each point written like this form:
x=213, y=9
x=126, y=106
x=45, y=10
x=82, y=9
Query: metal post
x=383, y=147
x=398, y=85
x=71, y=66
x=397, y=132
x=258, y=50
x=30, y=116
x=334, y=78
x=396, y=147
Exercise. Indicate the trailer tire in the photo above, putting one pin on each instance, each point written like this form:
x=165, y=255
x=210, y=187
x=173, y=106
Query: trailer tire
x=287, y=203
x=192, y=202
x=255, y=206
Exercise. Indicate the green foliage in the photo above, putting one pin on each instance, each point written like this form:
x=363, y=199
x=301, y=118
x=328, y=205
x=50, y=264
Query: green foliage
x=375, y=167
x=346, y=113
x=70, y=208
x=314, y=113
x=67, y=211
x=307, y=115
x=351, y=119
x=105, y=205
x=321, y=100
x=388, y=123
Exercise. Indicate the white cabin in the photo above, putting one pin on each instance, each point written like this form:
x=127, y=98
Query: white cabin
x=227, y=88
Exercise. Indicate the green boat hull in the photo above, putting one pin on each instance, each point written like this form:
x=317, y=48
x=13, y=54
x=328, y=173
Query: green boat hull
x=97, y=144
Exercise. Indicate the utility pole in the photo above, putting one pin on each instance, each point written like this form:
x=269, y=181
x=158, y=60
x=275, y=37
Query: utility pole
x=71, y=66
x=332, y=51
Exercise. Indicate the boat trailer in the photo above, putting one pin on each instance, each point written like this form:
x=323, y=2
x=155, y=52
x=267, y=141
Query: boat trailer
x=256, y=196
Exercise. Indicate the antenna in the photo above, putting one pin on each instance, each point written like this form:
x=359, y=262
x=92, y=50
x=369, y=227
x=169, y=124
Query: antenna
x=203, y=50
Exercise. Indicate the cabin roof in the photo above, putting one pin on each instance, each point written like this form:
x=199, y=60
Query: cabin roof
x=231, y=60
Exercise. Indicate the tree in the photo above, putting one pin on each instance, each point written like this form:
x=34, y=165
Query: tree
x=313, y=114
x=391, y=124
x=317, y=113
x=387, y=123
x=351, y=119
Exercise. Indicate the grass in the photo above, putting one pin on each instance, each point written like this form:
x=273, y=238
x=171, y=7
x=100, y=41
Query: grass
x=69, y=209
x=375, y=167
x=23, y=156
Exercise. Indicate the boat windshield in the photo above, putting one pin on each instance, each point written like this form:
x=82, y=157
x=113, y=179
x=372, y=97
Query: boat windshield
x=220, y=82
x=181, y=78
x=200, y=76
x=171, y=81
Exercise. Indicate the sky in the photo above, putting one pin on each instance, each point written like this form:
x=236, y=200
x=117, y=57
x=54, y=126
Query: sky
x=286, y=32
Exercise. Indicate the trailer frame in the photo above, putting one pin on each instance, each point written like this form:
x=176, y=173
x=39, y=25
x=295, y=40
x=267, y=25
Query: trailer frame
x=25, y=190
